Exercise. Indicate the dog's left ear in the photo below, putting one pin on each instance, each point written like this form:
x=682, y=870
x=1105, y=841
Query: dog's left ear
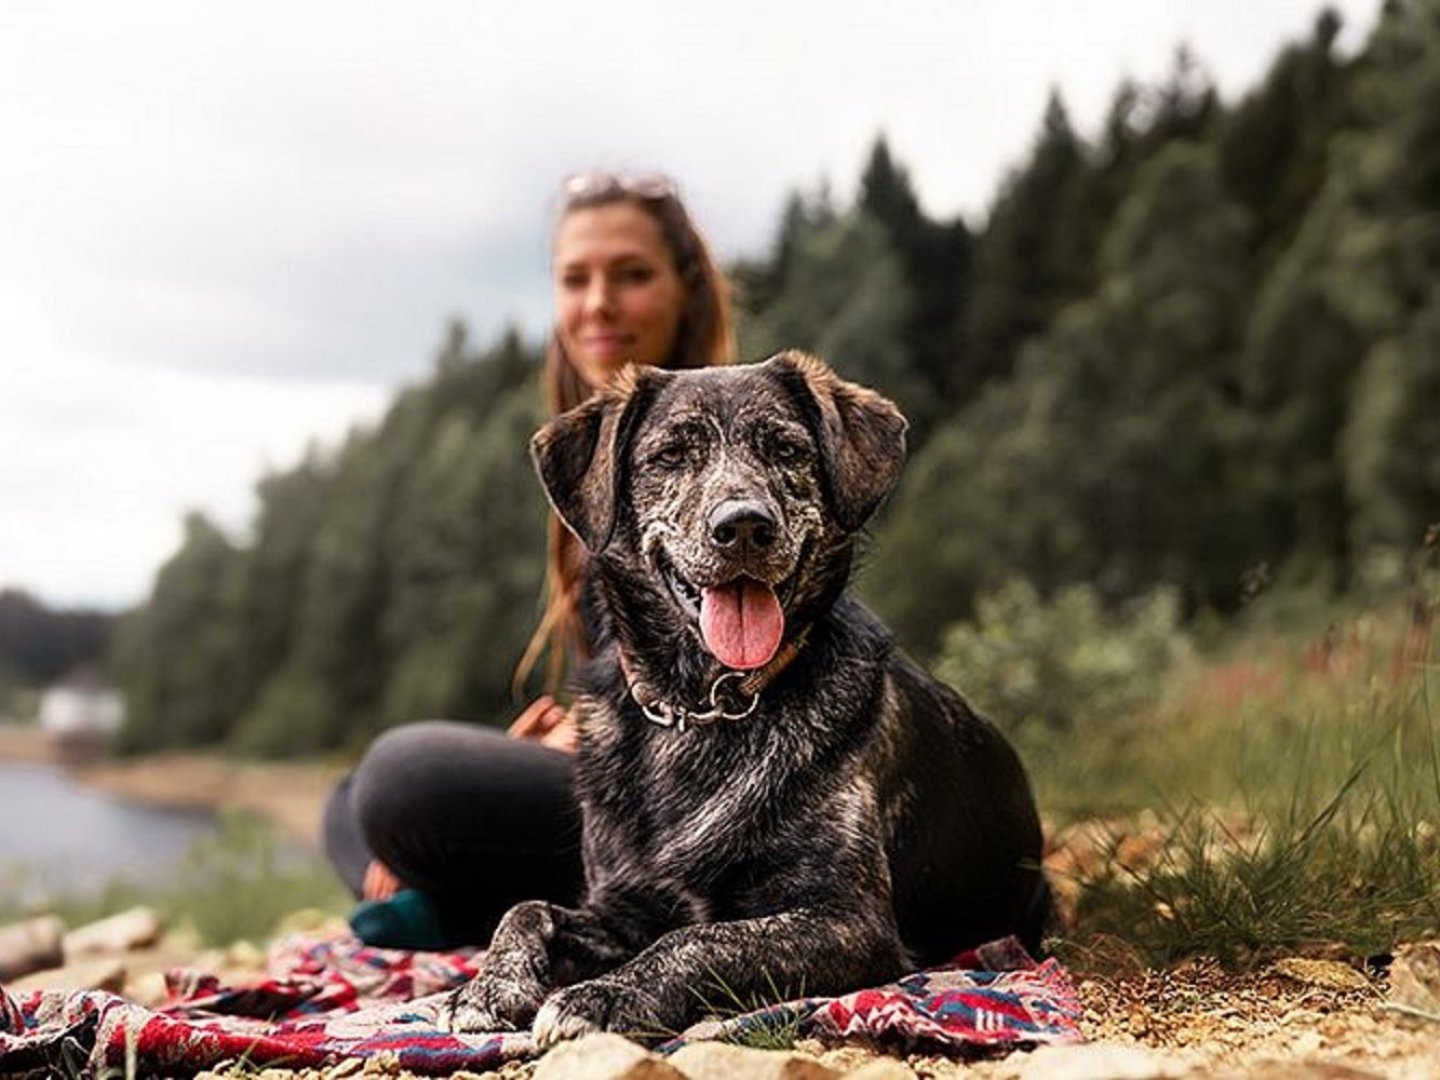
x=580, y=453
x=861, y=435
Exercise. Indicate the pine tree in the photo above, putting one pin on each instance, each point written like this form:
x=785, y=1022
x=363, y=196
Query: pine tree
x=936, y=260
x=176, y=656
x=1074, y=470
x=846, y=299
x=1345, y=301
x=1273, y=145
x=1026, y=265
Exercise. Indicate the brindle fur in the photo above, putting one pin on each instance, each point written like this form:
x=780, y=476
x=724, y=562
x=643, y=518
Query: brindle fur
x=862, y=821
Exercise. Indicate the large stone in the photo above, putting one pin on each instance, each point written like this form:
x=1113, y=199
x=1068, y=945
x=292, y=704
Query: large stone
x=32, y=945
x=1098, y=1061
x=603, y=1057
x=881, y=1068
x=856, y=1062
x=133, y=929
x=724, y=1061
x=1322, y=974
x=1415, y=977
x=103, y=974
x=1298, y=1070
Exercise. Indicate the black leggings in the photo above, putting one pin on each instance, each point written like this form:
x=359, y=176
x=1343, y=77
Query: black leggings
x=475, y=820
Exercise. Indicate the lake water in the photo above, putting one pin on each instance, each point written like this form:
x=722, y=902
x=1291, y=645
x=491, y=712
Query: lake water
x=57, y=835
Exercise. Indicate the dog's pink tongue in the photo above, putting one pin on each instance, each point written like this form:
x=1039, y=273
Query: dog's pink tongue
x=742, y=623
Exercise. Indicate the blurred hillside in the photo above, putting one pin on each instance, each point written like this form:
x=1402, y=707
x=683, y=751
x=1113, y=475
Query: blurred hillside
x=1200, y=351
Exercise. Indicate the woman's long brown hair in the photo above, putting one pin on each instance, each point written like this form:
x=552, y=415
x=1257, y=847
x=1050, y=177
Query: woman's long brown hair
x=703, y=338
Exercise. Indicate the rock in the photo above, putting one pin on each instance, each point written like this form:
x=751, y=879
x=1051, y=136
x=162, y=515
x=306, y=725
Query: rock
x=147, y=988
x=1098, y=1061
x=1299, y=1070
x=852, y=1061
x=1415, y=977
x=386, y=1063
x=603, y=1057
x=32, y=945
x=102, y=974
x=244, y=956
x=133, y=929
x=883, y=1068
x=724, y=1061
x=1323, y=974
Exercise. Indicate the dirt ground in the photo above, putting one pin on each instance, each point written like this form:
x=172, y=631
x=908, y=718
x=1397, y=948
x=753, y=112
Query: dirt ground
x=1195, y=1021
x=1298, y=1017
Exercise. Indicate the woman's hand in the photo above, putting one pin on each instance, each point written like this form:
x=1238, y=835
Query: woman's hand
x=380, y=882
x=547, y=723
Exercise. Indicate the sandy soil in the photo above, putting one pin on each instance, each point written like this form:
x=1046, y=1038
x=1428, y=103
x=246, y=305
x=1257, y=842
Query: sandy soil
x=25, y=745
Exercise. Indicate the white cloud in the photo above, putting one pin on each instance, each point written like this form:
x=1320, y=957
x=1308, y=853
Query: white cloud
x=231, y=227
x=99, y=461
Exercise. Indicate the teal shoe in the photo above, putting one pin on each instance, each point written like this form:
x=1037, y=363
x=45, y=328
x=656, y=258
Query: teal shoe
x=405, y=921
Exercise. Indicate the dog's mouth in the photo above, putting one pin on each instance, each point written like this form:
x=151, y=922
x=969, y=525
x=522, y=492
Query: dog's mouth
x=742, y=621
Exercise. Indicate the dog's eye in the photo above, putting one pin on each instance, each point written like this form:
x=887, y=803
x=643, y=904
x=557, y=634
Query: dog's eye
x=786, y=451
x=673, y=456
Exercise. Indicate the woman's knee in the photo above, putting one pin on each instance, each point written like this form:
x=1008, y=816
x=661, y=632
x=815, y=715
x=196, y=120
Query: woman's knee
x=411, y=770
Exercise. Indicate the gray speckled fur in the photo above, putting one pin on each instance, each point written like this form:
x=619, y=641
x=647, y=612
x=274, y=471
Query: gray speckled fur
x=861, y=821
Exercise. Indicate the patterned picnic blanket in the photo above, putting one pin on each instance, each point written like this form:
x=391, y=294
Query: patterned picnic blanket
x=325, y=1000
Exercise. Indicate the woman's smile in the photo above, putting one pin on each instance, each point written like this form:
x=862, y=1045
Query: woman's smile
x=618, y=296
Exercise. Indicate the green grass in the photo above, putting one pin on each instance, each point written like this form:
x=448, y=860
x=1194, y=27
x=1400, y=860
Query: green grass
x=1292, y=797
x=236, y=885
x=771, y=1031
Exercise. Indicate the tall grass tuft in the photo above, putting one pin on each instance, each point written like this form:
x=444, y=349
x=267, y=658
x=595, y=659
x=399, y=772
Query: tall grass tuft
x=765, y=1025
x=1293, y=795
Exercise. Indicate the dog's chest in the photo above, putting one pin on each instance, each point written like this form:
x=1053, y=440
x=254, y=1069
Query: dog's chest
x=685, y=804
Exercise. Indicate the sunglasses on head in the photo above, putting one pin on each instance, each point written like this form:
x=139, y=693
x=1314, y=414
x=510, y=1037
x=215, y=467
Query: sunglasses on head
x=597, y=184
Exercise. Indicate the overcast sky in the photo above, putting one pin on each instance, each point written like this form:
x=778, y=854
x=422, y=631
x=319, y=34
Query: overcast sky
x=231, y=228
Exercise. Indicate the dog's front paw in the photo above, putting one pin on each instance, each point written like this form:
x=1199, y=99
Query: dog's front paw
x=488, y=1003
x=598, y=1005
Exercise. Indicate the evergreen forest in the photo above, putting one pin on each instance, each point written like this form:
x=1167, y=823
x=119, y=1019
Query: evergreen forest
x=1196, y=350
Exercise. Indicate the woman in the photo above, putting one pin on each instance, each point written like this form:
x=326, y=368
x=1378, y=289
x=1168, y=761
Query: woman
x=444, y=826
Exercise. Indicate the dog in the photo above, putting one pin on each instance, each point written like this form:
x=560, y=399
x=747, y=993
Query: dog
x=774, y=798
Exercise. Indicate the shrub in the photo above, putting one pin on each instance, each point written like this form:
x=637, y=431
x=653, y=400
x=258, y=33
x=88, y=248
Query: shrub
x=1066, y=662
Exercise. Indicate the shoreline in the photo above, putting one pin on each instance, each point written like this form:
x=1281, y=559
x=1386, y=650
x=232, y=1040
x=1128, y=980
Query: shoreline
x=289, y=795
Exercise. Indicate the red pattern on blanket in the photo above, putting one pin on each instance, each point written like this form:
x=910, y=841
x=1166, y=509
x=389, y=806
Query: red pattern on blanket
x=325, y=1000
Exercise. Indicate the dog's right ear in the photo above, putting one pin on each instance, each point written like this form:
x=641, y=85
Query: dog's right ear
x=580, y=454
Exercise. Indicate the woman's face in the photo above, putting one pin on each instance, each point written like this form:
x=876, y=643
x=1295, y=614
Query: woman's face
x=618, y=298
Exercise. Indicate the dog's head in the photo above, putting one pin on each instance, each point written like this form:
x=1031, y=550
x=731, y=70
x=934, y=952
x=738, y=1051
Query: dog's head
x=728, y=496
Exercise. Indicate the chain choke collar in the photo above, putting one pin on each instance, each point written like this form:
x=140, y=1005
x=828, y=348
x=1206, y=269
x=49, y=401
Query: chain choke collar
x=734, y=695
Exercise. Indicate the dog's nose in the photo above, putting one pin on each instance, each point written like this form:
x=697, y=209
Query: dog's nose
x=741, y=525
